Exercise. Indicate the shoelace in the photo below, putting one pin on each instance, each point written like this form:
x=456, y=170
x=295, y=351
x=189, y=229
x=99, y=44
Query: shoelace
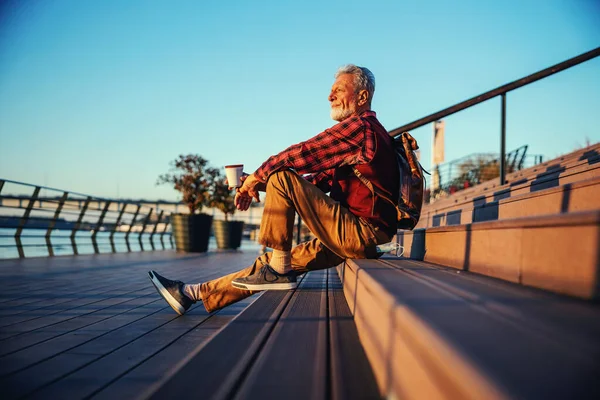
x=267, y=268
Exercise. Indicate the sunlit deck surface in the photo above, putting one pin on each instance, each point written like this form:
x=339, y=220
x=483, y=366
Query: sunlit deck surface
x=92, y=326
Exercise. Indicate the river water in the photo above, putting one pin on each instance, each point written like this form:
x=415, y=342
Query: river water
x=35, y=243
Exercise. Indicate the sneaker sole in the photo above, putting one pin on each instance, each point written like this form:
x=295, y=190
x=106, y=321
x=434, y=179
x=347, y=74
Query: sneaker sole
x=265, y=286
x=166, y=295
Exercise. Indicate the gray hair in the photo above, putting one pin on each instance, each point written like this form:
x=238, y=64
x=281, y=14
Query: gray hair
x=363, y=78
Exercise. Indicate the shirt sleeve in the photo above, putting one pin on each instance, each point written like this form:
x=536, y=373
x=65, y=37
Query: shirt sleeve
x=322, y=180
x=349, y=142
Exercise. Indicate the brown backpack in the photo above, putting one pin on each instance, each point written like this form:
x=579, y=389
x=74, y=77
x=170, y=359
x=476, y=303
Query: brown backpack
x=412, y=182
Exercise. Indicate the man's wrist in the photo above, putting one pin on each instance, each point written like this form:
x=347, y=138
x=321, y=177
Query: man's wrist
x=259, y=177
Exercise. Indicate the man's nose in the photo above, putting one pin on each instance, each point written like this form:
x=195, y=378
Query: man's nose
x=331, y=97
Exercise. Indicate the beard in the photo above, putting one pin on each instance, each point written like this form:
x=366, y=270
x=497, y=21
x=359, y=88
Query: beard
x=339, y=114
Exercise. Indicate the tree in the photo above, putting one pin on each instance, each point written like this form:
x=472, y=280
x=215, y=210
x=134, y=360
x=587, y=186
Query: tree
x=190, y=175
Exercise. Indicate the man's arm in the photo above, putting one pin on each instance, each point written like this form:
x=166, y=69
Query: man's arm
x=349, y=142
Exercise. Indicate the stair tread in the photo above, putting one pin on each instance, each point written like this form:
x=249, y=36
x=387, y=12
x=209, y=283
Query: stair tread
x=497, y=328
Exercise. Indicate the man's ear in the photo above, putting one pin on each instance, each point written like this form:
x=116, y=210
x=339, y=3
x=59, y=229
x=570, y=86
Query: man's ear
x=363, y=97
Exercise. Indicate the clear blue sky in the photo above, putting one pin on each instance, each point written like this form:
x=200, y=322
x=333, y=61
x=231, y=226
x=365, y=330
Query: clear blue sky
x=98, y=96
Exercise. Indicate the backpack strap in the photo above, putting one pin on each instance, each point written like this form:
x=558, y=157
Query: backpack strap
x=367, y=184
x=410, y=145
x=373, y=190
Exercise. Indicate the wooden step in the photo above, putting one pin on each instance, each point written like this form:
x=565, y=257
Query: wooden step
x=430, y=333
x=570, y=197
x=553, y=176
x=300, y=344
x=559, y=253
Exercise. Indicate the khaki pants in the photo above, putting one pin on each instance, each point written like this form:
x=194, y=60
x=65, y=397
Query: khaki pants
x=339, y=235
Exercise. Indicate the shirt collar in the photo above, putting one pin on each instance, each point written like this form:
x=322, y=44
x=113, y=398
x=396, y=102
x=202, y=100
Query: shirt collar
x=368, y=113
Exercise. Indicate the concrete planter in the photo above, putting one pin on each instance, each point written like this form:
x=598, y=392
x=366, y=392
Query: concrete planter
x=228, y=234
x=191, y=232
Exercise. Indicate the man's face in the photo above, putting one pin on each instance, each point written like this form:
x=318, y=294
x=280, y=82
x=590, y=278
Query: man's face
x=343, y=97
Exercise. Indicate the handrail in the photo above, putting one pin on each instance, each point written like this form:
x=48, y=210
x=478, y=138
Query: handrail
x=16, y=218
x=498, y=91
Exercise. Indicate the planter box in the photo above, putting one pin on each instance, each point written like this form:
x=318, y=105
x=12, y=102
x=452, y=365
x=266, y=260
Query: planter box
x=191, y=232
x=228, y=234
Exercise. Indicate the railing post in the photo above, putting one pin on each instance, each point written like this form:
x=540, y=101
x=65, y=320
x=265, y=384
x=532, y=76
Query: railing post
x=1, y=185
x=112, y=234
x=61, y=203
x=23, y=220
x=144, y=228
x=98, y=225
x=155, y=227
x=78, y=224
x=163, y=233
x=503, y=140
x=137, y=211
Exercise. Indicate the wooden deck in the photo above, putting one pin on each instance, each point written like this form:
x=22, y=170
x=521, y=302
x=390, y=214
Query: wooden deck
x=84, y=326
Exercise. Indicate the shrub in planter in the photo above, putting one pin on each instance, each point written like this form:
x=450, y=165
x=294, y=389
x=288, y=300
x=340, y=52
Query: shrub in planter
x=227, y=233
x=191, y=175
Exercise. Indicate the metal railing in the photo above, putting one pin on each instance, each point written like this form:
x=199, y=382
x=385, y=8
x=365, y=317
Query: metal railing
x=474, y=169
x=42, y=221
x=500, y=91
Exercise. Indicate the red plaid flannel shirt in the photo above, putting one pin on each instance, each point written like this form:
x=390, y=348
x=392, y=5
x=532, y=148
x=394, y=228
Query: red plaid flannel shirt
x=349, y=142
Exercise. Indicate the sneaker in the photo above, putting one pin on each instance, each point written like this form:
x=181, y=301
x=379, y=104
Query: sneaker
x=267, y=279
x=172, y=292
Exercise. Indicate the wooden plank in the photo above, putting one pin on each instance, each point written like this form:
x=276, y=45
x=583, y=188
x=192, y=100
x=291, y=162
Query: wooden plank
x=103, y=336
x=293, y=362
x=159, y=366
x=466, y=348
x=74, y=346
x=351, y=374
x=557, y=318
x=76, y=306
x=219, y=365
x=117, y=356
x=29, y=339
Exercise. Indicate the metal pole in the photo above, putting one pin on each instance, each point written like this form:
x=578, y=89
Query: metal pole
x=499, y=90
x=137, y=211
x=155, y=227
x=99, y=225
x=61, y=203
x=23, y=220
x=78, y=224
x=144, y=228
x=503, y=140
x=299, y=228
x=112, y=234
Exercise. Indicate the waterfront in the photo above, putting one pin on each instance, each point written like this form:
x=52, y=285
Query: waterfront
x=35, y=243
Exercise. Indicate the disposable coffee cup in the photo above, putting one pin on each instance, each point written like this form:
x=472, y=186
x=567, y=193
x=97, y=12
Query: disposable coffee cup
x=234, y=173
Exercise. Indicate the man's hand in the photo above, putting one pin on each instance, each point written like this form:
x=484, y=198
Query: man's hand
x=242, y=201
x=249, y=190
x=251, y=186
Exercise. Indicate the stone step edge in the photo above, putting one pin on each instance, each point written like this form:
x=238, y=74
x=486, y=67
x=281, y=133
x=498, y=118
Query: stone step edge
x=557, y=253
x=428, y=344
x=470, y=194
x=536, y=221
x=517, y=175
x=523, y=196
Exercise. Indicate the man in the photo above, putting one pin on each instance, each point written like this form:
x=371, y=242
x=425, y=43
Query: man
x=349, y=223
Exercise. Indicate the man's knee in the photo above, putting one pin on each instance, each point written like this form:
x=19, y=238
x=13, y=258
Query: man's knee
x=281, y=178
